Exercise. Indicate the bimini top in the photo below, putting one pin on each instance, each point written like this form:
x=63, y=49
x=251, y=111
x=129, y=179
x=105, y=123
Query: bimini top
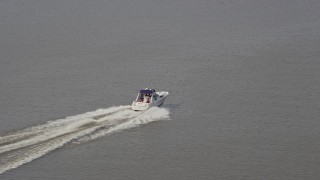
x=147, y=91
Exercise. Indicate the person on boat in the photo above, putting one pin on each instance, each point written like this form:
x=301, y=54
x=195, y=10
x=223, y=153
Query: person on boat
x=147, y=98
x=140, y=99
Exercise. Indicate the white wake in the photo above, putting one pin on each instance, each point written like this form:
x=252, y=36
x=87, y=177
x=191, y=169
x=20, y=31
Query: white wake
x=23, y=146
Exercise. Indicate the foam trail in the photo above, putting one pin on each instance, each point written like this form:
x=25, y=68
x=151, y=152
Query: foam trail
x=153, y=114
x=45, y=136
x=17, y=148
x=27, y=155
x=35, y=130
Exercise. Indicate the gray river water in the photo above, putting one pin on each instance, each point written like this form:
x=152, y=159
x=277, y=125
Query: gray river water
x=243, y=78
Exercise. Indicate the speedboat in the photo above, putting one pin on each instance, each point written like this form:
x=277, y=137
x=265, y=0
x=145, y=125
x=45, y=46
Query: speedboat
x=148, y=98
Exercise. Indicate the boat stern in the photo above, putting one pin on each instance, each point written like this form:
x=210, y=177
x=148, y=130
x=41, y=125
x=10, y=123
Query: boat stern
x=139, y=106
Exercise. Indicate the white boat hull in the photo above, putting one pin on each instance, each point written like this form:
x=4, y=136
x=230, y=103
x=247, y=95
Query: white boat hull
x=156, y=101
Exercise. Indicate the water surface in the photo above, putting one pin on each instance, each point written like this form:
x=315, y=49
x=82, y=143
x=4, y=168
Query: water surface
x=243, y=78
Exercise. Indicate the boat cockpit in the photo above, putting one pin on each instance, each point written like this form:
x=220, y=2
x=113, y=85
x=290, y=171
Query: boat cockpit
x=146, y=95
